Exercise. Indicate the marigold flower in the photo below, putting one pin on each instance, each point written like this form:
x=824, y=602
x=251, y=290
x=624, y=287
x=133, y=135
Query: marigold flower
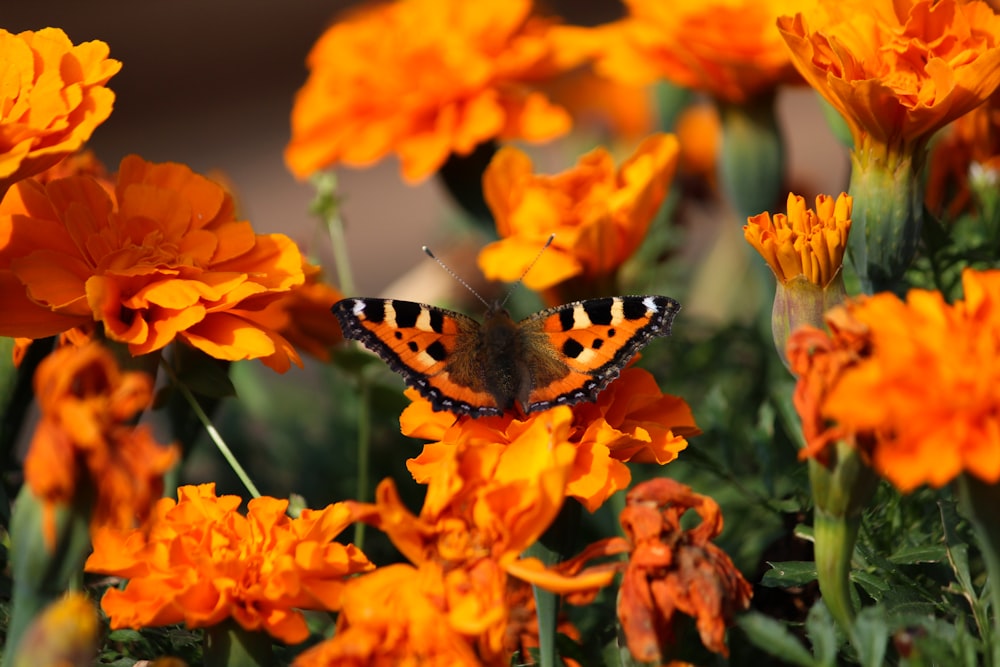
x=819, y=359
x=632, y=420
x=302, y=315
x=163, y=258
x=199, y=561
x=84, y=444
x=929, y=388
x=804, y=242
x=53, y=97
x=727, y=48
x=485, y=504
x=599, y=215
x=424, y=79
x=805, y=250
x=393, y=616
x=897, y=72
x=673, y=570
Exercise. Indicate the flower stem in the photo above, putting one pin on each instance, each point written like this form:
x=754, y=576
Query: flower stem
x=214, y=434
x=227, y=643
x=364, y=451
x=841, y=490
x=979, y=501
x=327, y=206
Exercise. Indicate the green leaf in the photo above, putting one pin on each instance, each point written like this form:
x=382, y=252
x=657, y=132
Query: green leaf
x=870, y=635
x=789, y=573
x=774, y=638
x=125, y=635
x=874, y=585
x=822, y=632
x=910, y=555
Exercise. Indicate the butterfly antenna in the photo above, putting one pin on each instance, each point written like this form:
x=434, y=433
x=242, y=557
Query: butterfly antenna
x=455, y=275
x=533, y=262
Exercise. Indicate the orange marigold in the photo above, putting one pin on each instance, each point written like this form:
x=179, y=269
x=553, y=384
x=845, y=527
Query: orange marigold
x=804, y=242
x=727, y=48
x=632, y=420
x=393, y=616
x=424, y=79
x=485, y=504
x=675, y=570
x=162, y=258
x=84, y=446
x=302, y=315
x=929, y=389
x=599, y=214
x=819, y=359
x=897, y=71
x=52, y=97
x=199, y=561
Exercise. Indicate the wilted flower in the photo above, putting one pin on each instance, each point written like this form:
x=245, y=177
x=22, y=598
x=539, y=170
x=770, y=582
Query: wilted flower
x=674, y=570
x=85, y=446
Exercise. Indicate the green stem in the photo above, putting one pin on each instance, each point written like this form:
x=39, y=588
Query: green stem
x=979, y=501
x=214, y=434
x=327, y=206
x=228, y=644
x=841, y=490
x=364, y=452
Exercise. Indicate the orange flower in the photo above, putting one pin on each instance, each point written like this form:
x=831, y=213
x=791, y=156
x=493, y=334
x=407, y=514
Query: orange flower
x=65, y=633
x=699, y=133
x=599, y=215
x=632, y=420
x=424, y=79
x=819, y=360
x=53, y=97
x=897, y=71
x=302, y=315
x=805, y=242
x=163, y=258
x=485, y=504
x=84, y=446
x=673, y=570
x=805, y=250
x=727, y=48
x=929, y=389
x=199, y=561
x=393, y=616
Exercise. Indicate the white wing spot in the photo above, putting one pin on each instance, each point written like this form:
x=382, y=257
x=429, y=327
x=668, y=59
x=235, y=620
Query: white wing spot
x=650, y=303
x=359, y=307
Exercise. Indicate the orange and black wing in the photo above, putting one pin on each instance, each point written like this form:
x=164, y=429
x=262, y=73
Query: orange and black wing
x=420, y=342
x=594, y=339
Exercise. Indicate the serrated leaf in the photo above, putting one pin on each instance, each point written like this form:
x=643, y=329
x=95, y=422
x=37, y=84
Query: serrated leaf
x=875, y=586
x=822, y=632
x=870, y=636
x=919, y=554
x=774, y=638
x=789, y=573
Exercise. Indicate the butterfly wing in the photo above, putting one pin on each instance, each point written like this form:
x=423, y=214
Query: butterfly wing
x=430, y=347
x=594, y=340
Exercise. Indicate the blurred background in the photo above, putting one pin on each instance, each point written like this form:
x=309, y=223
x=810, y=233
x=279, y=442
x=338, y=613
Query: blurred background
x=211, y=84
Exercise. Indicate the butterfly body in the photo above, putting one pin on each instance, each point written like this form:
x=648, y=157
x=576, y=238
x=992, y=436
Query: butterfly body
x=559, y=356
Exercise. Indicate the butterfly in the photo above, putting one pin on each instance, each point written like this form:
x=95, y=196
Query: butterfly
x=560, y=356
